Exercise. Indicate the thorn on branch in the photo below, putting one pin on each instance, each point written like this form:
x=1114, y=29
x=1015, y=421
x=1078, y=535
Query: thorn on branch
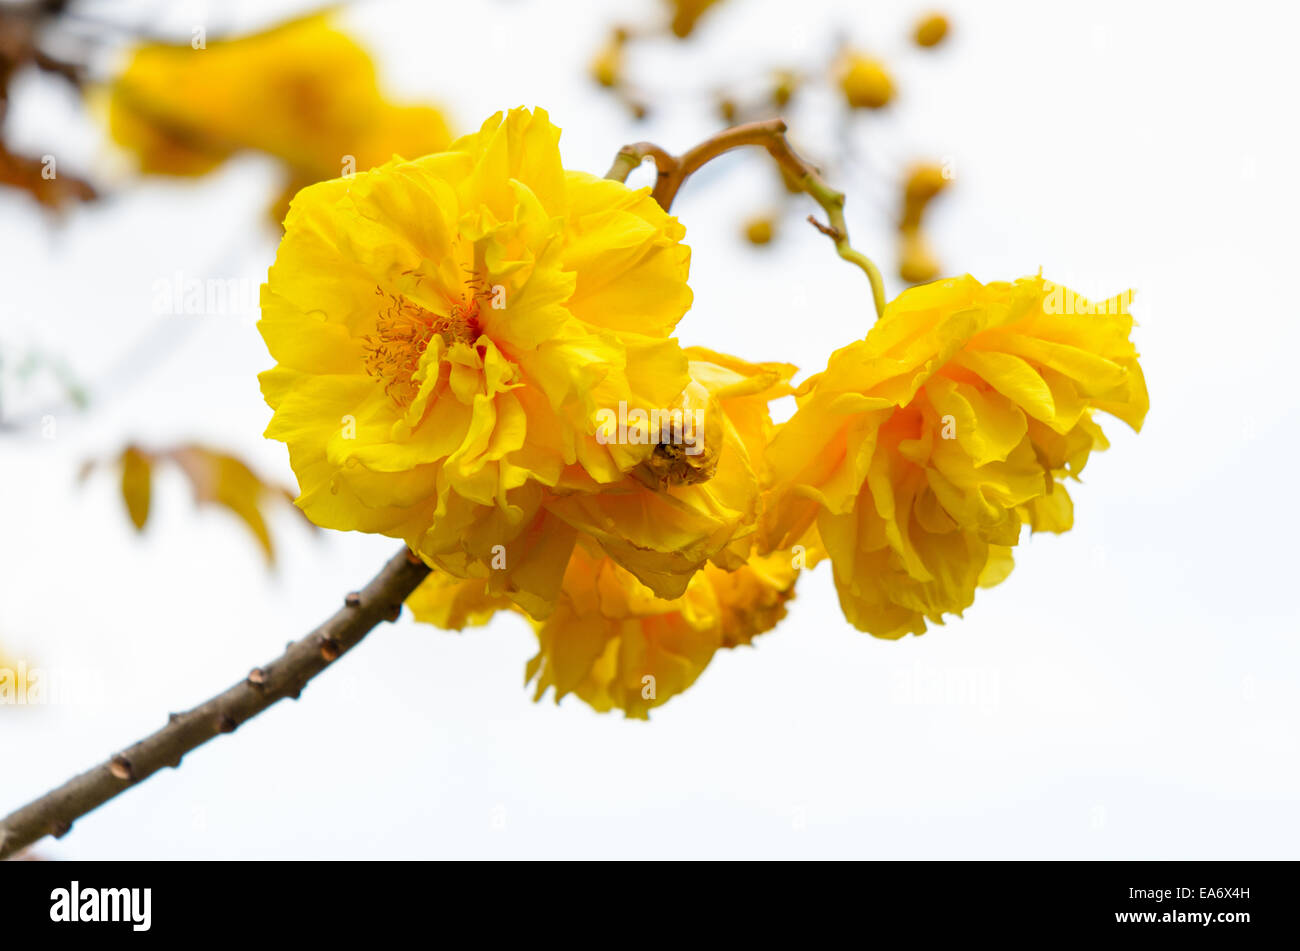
x=55, y=811
x=833, y=233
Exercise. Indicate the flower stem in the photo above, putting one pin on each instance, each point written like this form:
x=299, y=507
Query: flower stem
x=770, y=135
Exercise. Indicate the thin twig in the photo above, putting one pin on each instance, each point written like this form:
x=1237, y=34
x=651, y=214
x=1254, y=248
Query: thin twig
x=54, y=812
x=769, y=134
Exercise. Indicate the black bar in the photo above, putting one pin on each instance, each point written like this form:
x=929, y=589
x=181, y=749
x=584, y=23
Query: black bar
x=635, y=902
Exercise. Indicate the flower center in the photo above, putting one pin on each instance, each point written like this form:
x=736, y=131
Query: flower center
x=672, y=464
x=403, y=330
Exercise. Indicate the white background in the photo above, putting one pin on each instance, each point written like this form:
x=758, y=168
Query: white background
x=1128, y=692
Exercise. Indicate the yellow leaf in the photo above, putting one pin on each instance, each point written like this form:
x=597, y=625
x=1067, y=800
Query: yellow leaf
x=224, y=480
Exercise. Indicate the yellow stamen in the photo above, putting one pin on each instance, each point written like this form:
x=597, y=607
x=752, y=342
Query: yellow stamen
x=403, y=330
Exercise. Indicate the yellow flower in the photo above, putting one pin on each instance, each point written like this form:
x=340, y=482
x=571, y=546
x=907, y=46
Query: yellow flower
x=303, y=92
x=394, y=132
x=659, y=570
x=752, y=599
x=920, y=451
x=159, y=147
x=865, y=82
x=447, y=331
x=610, y=640
x=696, y=496
x=454, y=604
x=617, y=646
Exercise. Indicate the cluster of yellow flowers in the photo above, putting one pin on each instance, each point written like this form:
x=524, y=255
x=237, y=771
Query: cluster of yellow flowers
x=304, y=93
x=474, y=354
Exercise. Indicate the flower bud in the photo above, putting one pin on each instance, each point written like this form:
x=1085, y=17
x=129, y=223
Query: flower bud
x=865, y=83
x=931, y=30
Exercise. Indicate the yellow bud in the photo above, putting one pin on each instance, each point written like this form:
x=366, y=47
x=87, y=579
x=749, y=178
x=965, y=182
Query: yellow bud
x=760, y=230
x=784, y=88
x=607, y=67
x=916, y=262
x=924, y=181
x=865, y=83
x=686, y=13
x=931, y=30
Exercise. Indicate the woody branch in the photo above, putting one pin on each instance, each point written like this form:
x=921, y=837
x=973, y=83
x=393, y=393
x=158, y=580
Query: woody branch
x=54, y=812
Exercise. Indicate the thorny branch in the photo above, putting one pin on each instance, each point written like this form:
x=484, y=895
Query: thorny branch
x=769, y=134
x=54, y=812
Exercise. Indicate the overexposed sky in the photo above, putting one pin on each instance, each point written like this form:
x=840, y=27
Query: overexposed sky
x=1129, y=692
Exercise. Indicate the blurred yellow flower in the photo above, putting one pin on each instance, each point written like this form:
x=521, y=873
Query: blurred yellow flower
x=448, y=331
x=303, y=92
x=920, y=451
x=865, y=82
